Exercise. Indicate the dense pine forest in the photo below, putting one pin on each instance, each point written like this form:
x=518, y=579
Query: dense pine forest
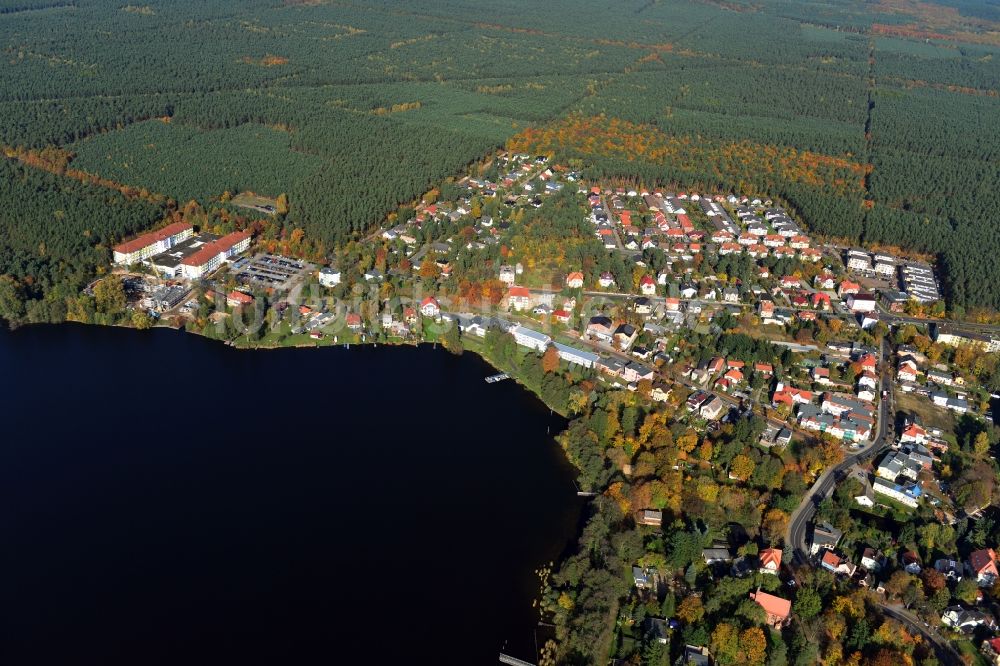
x=876, y=122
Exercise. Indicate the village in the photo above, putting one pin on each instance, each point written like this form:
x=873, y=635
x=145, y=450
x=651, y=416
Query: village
x=642, y=271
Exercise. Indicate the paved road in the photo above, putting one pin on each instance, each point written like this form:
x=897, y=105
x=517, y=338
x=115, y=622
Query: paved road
x=946, y=654
x=796, y=534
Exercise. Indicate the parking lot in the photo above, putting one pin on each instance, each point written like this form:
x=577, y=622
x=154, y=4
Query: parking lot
x=268, y=270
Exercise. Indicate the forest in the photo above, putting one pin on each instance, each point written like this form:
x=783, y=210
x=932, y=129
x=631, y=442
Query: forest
x=351, y=110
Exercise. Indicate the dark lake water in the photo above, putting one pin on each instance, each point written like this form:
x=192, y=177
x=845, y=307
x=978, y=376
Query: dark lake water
x=168, y=500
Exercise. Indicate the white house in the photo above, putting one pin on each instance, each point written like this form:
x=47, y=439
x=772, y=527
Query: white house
x=429, y=307
x=577, y=356
x=329, y=277
x=526, y=337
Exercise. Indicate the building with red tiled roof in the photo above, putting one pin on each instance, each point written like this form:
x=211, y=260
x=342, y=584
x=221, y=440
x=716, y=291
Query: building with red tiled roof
x=770, y=560
x=211, y=255
x=429, y=307
x=777, y=610
x=983, y=564
x=148, y=245
x=518, y=298
x=236, y=299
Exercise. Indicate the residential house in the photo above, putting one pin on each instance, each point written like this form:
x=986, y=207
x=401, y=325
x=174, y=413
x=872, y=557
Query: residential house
x=825, y=536
x=576, y=356
x=821, y=375
x=777, y=610
x=429, y=307
x=518, y=298
x=990, y=649
x=965, y=620
x=837, y=564
x=712, y=408
x=237, y=299
x=529, y=338
x=647, y=285
x=860, y=302
x=574, y=280
x=770, y=560
x=983, y=565
x=913, y=433
x=911, y=562
x=329, y=277
x=508, y=275
x=847, y=288
x=906, y=372
x=354, y=321
x=625, y=335
x=908, y=495
x=606, y=280
x=940, y=377
x=644, y=578
x=949, y=568
x=872, y=559
x=695, y=656
x=716, y=554
x=650, y=517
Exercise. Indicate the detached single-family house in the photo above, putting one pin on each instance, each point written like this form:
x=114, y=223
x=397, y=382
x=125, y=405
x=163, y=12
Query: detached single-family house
x=429, y=307
x=711, y=409
x=825, y=536
x=574, y=280
x=965, y=619
x=600, y=328
x=983, y=565
x=777, y=610
x=647, y=285
x=837, y=564
x=518, y=298
x=770, y=560
x=651, y=517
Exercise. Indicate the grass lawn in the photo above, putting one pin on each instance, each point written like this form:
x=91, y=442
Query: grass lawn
x=932, y=415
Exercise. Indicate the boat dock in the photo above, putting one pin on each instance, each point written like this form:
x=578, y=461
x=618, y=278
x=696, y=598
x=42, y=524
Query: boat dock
x=493, y=379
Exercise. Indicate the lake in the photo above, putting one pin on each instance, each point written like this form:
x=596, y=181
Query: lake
x=165, y=499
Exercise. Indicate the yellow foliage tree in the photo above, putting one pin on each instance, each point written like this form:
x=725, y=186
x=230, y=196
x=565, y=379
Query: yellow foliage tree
x=753, y=645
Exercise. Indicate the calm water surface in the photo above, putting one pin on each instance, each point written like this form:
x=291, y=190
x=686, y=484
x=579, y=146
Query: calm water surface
x=168, y=500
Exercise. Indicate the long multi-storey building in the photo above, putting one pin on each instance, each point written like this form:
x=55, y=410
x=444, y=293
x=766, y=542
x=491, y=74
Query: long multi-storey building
x=152, y=244
x=211, y=256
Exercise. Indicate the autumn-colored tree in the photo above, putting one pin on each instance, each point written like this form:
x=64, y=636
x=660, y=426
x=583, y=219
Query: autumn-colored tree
x=428, y=269
x=550, y=359
x=933, y=581
x=753, y=645
x=691, y=609
x=706, y=489
x=109, y=295
x=742, y=467
x=725, y=643
x=774, y=525
x=687, y=441
x=281, y=204
x=981, y=445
